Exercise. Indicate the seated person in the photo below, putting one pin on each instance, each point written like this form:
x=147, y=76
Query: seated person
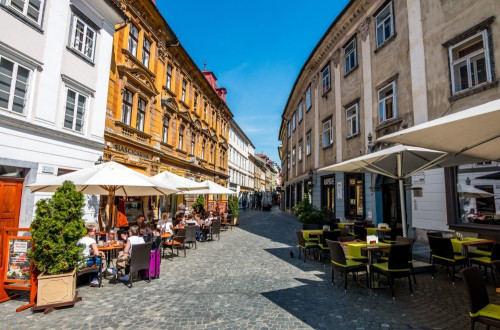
x=165, y=224
x=90, y=252
x=140, y=220
x=133, y=239
x=146, y=230
x=472, y=215
x=206, y=226
x=190, y=220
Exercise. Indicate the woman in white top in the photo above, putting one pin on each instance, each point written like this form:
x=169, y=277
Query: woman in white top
x=133, y=239
x=90, y=252
x=165, y=223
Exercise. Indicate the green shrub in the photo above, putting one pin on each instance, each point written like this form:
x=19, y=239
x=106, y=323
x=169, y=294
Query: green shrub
x=233, y=205
x=307, y=213
x=56, y=229
x=200, y=201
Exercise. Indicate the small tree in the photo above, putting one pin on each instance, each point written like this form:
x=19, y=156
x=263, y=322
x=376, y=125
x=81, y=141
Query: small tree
x=200, y=202
x=56, y=229
x=233, y=205
x=307, y=213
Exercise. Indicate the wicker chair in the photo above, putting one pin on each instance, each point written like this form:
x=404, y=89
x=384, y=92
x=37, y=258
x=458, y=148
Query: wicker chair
x=397, y=266
x=323, y=247
x=405, y=240
x=480, y=308
x=215, y=230
x=435, y=234
x=360, y=231
x=442, y=253
x=139, y=260
x=303, y=245
x=190, y=236
x=486, y=261
x=343, y=265
x=177, y=242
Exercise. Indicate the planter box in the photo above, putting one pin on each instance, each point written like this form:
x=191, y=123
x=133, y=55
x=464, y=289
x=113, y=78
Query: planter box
x=235, y=221
x=56, y=289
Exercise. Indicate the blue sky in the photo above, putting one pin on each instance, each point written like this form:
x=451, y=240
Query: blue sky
x=256, y=49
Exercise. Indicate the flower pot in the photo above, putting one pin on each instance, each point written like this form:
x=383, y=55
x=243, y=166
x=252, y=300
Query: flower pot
x=56, y=289
x=235, y=221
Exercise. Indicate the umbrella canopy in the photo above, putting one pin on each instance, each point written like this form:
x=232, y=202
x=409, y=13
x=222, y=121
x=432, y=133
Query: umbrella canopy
x=473, y=132
x=492, y=176
x=213, y=188
x=179, y=182
x=467, y=191
x=398, y=162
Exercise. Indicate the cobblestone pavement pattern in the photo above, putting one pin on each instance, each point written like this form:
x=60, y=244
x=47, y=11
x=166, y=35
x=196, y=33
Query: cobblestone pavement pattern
x=248, y=280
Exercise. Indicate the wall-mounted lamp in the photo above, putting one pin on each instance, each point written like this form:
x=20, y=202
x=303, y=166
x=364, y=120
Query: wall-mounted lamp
x=99, y=161
x=467, y=181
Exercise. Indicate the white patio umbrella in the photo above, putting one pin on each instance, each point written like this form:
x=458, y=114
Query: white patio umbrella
x=398, y=162
x=214, y=189
x=112, y=179
x=180, y=183
x=467, y=191
x=473, y=132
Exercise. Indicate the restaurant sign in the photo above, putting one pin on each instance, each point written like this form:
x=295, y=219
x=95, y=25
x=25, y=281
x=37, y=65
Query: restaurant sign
x=131, y=151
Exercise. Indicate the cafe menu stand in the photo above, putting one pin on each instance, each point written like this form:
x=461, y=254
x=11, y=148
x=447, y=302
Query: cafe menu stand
x=31, y=285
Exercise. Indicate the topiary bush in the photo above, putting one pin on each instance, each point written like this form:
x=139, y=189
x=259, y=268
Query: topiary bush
x=307, y=213
x=56, y=229
x=200, y=202
x=233, y=205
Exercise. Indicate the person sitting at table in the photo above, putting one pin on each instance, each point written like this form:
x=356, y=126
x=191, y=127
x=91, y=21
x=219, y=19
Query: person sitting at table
x=472, y=215
x=133, y=239
x=90, y=252
x=140, y=220
x=146, y=229
x=207, y=224
x=165, y=224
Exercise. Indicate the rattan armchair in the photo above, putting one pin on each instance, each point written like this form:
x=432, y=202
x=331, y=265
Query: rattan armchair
x=442, y=253
x=305, y=246
x=343, y=265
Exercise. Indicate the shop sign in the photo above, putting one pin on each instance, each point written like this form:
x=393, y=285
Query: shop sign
x=418, y=178
x=131, y=151
x=329, y=181
x=339, y=190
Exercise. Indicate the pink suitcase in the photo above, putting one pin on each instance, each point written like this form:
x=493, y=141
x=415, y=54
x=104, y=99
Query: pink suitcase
x=154, y=265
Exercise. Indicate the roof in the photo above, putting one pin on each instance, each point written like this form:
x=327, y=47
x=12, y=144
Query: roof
x=234, y=124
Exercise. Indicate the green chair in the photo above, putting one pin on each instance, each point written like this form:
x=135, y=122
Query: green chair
x=443, y=254
x=353, y=250
x=332, y=235
x=343, y=265
x=405, y=240
x=486, y=261
x=397, y=266
x=303, y=245
x=480, y=308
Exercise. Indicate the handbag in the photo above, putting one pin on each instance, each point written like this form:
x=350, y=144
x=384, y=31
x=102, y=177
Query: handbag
x=123, y=260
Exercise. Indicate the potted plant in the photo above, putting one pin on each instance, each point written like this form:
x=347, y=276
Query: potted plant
x=56, y=229
x=233, y=205
x=307, y=213
x=199, y=205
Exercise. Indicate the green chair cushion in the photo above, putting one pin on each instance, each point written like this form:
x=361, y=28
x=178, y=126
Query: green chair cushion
x=491, y=311
x=323, y=247
x=457, y=258
x=354, y=250
x=308, y=244
x=481, y=252
x=484, y=260
x=349, y=263
x=385, y=266
x=371, y=231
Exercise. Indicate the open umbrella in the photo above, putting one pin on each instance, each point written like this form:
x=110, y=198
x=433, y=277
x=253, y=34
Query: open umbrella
x=473, y=132
x=112, y=179
x=214, y=189
x=467, y=191
x=398, y=162
x=179, y=182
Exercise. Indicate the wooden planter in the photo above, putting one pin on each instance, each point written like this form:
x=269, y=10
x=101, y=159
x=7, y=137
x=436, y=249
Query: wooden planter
x=56, y=289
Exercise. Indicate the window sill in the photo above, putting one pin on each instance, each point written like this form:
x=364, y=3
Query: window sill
x=77, y=54
x=23, y=19
x=181, y=151
x=472, y=226
x=388, y=123
x=169, y=91
x=353, y=136
x=184, y=104
x=328, y=146
x=385, y=43
x=351, y=71
x=473, y=90
x=168, y=145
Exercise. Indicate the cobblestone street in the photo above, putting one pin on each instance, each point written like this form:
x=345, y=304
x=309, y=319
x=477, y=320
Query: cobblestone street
x=248, y=280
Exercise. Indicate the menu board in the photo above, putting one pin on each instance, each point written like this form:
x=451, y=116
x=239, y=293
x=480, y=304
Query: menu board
x=18, y=267
x=211, y=206
x=222, y=207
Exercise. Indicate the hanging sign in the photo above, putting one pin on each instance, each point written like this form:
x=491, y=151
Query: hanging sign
x=339, y=190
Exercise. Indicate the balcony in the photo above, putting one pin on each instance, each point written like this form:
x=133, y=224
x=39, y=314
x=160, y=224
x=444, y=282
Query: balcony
x=132, y=133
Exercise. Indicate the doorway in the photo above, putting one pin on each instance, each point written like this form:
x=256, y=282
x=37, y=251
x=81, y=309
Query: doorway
x=390, y=202
x=11, y=191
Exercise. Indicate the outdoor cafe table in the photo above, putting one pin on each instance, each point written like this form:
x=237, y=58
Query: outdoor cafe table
x=462, y=246
x=348, y=225
x=384, y=231
x=108, y=249
x=307, y=233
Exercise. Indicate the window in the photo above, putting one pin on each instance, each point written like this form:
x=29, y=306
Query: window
x=300, y=111
x=83, y=38
x=293, y=156
x=300, y=150
x=195, y=103
x=165, y=130
x=350, y=56
x=355, y=195
x=387, y=106
x=127, y=107
x=133, y=36
x=384, y=23
x=213, y=119
x=293, y=122
x=183, y=95
x=141, y=114
x=288, y=161
x=74, y=115
x=211, y=153
x=325, y=76
x=470, y=62
x=169, y=77
x=203, y=150
x=327, y=133
x=29, y=8
x=193, y=143
x=308, y=98
x=352, y=120
x=308, y=143
x=146, y=51
x=289, y=130
x=14, y=84
x=205, y=111
x=181, y=137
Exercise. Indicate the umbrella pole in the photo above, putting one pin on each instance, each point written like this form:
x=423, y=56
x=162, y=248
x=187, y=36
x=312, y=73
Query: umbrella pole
x=402, y=193
x=111, y=202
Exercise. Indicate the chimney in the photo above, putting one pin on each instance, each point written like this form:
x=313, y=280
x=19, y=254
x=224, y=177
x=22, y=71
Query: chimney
x=222, y=93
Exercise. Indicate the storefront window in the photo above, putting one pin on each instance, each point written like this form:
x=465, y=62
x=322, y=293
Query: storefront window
x=354, y=196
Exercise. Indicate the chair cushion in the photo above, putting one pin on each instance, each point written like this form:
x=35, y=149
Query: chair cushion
x=308, y=244
x=457, y=258
x=385, y=266
x=491, y=311
x=481, y=252
x=484, y=260
x=323, y=247
x=356, y=258
x=349, y=263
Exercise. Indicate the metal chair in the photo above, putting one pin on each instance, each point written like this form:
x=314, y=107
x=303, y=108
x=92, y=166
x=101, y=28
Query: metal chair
x=177, y=242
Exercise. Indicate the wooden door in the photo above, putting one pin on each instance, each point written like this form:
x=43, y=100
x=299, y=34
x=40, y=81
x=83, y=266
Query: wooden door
x=10, y=202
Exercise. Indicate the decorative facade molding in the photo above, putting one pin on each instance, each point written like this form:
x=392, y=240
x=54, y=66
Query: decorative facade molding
x=336, y=57
x=364, y=28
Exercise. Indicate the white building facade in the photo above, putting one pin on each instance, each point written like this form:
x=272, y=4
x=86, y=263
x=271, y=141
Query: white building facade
x=54, y=72
x=241, y=169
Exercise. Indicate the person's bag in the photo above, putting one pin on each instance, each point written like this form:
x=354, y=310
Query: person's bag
x=123, y=260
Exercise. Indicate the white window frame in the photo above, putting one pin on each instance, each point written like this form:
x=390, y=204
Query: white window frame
x=146, y=52
x=382, y=102
x=326, y=79
x=300, y=111
x=86, y=28
x=133, y=40
x=288, y=161
x=165, y=129
x=128, y=120
x=141, y=113
x=467, y=59
x=169, y=77
x=293, y=156
x=308, y=143
x=183, y=93
x=181, y=138
x=349, y=54
x=353, y=127
x=300, y=151
x=13, y=83
x=327, y=129
x=294, y=125
x=308, y=98
x=24, y=11
x=193, y=143
x=289, y=130
x=78, y=93
x=383, y=23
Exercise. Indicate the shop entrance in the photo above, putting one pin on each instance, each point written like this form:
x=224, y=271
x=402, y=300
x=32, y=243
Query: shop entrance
x=11, y=191
x=390, y=200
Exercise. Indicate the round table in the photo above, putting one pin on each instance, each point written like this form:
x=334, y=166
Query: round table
x=108, y=250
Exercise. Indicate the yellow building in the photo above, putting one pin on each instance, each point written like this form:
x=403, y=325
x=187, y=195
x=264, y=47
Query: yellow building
x=163, y=113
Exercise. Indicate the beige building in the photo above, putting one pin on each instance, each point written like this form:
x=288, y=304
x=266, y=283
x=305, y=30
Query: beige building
x=383, y=66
